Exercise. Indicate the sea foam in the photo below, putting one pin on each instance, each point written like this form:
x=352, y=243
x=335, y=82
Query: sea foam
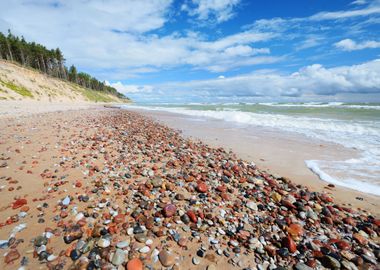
x=361, y=174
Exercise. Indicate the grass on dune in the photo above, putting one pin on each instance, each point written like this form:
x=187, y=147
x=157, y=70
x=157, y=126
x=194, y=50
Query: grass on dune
x=18, y=89
x=96, y=96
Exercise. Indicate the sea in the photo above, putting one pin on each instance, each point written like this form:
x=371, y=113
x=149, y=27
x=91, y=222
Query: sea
x=352, y=125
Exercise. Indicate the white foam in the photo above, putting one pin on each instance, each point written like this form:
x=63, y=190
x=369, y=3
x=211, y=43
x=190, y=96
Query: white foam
x=347, y=182
x=323, y=105
x=361, y=174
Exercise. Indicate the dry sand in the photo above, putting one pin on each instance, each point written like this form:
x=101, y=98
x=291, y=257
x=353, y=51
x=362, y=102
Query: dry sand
x=15, y=109
x=283, y=154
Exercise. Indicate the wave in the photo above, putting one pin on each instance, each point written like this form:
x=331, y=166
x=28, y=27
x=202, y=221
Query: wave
x=323, y=105
x=360, y=174
x=366, y=187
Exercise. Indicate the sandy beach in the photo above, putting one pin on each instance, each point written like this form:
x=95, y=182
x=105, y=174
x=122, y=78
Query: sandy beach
x=111, y=189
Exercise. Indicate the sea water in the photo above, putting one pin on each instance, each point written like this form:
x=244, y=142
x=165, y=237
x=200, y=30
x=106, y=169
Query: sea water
x=354, y=126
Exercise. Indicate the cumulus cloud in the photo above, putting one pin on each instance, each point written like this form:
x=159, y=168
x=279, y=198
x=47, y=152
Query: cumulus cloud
x=311, y=81
x=350, y=45
x=130, y=88
x=117, y=36
x=211, y=10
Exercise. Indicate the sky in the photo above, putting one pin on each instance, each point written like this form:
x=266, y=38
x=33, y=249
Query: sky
x=213, y=50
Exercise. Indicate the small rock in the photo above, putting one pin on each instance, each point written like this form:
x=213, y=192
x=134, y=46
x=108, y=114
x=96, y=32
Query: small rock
x=169, y=210
x=196, y=261
x=166, y=258
x=103, y=242
x=118, y=257
x=144, y=249
x=11, y=256
x=135, y=264
x=252, y=205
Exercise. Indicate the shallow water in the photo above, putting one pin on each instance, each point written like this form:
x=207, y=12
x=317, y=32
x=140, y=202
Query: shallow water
x=351, y=125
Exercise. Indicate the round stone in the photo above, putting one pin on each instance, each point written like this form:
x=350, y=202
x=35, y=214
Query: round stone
x=144, y=249
x=122, y=244
x=252, y=205
x=103, y=242
x=135, y=264
x=211, y=267
x=202, y=187
x=166, y=258
x=196, y=261
x=118, y=257
x=169, y=210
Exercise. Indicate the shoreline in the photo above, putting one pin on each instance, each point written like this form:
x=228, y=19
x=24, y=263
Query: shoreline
x=283, y=154
x=140, y=192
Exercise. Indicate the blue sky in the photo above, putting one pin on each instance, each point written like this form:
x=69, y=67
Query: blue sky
x=213, y=50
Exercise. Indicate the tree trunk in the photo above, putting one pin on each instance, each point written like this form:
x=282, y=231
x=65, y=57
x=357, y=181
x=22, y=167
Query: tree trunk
x=10, y=51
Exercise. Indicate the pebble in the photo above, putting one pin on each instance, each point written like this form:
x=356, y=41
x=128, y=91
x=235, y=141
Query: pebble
x=103, y=242
x=66, y=201
x=211, y=267
x=166, y=258
x=118, y=257
x=11, y=256
x=135, y=264
x=169, y=210
x=144, y=249
x=196, y=261
x=122, y=244
x=51, y=258
x=252, y=205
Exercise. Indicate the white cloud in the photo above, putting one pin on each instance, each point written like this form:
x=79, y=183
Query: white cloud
x=351, y=45
x=335, y=15
x=211, y=10
x=310, y=81
x=359, y=2
x=310, y=42
x=130, y=88
x=113, y=38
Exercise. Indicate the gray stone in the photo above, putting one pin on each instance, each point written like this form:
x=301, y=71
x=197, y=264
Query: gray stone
x=118, y=257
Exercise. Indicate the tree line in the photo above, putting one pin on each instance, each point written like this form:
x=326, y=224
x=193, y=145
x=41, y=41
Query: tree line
x=50, y=62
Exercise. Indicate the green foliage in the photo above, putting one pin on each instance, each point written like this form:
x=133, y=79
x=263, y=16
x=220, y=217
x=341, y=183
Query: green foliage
x=18, y=89
x=51, y=62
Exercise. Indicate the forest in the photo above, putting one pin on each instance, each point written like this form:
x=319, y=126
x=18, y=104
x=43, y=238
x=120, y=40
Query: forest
x=50, y=62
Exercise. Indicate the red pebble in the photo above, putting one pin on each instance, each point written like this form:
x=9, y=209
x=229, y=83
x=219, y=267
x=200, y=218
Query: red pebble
x=169, y=210
x=289, y=243
x=78, y=184
x=295, y=230
x=192, y=216
x=135, y=264
x=19, y=203
x=360, y=239
x=120, y=218
x=343, y=245
x=202, y=187
x=221, y=188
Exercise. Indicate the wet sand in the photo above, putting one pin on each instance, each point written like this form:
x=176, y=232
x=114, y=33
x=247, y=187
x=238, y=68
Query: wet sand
x=283, y=154
x=109, y=175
